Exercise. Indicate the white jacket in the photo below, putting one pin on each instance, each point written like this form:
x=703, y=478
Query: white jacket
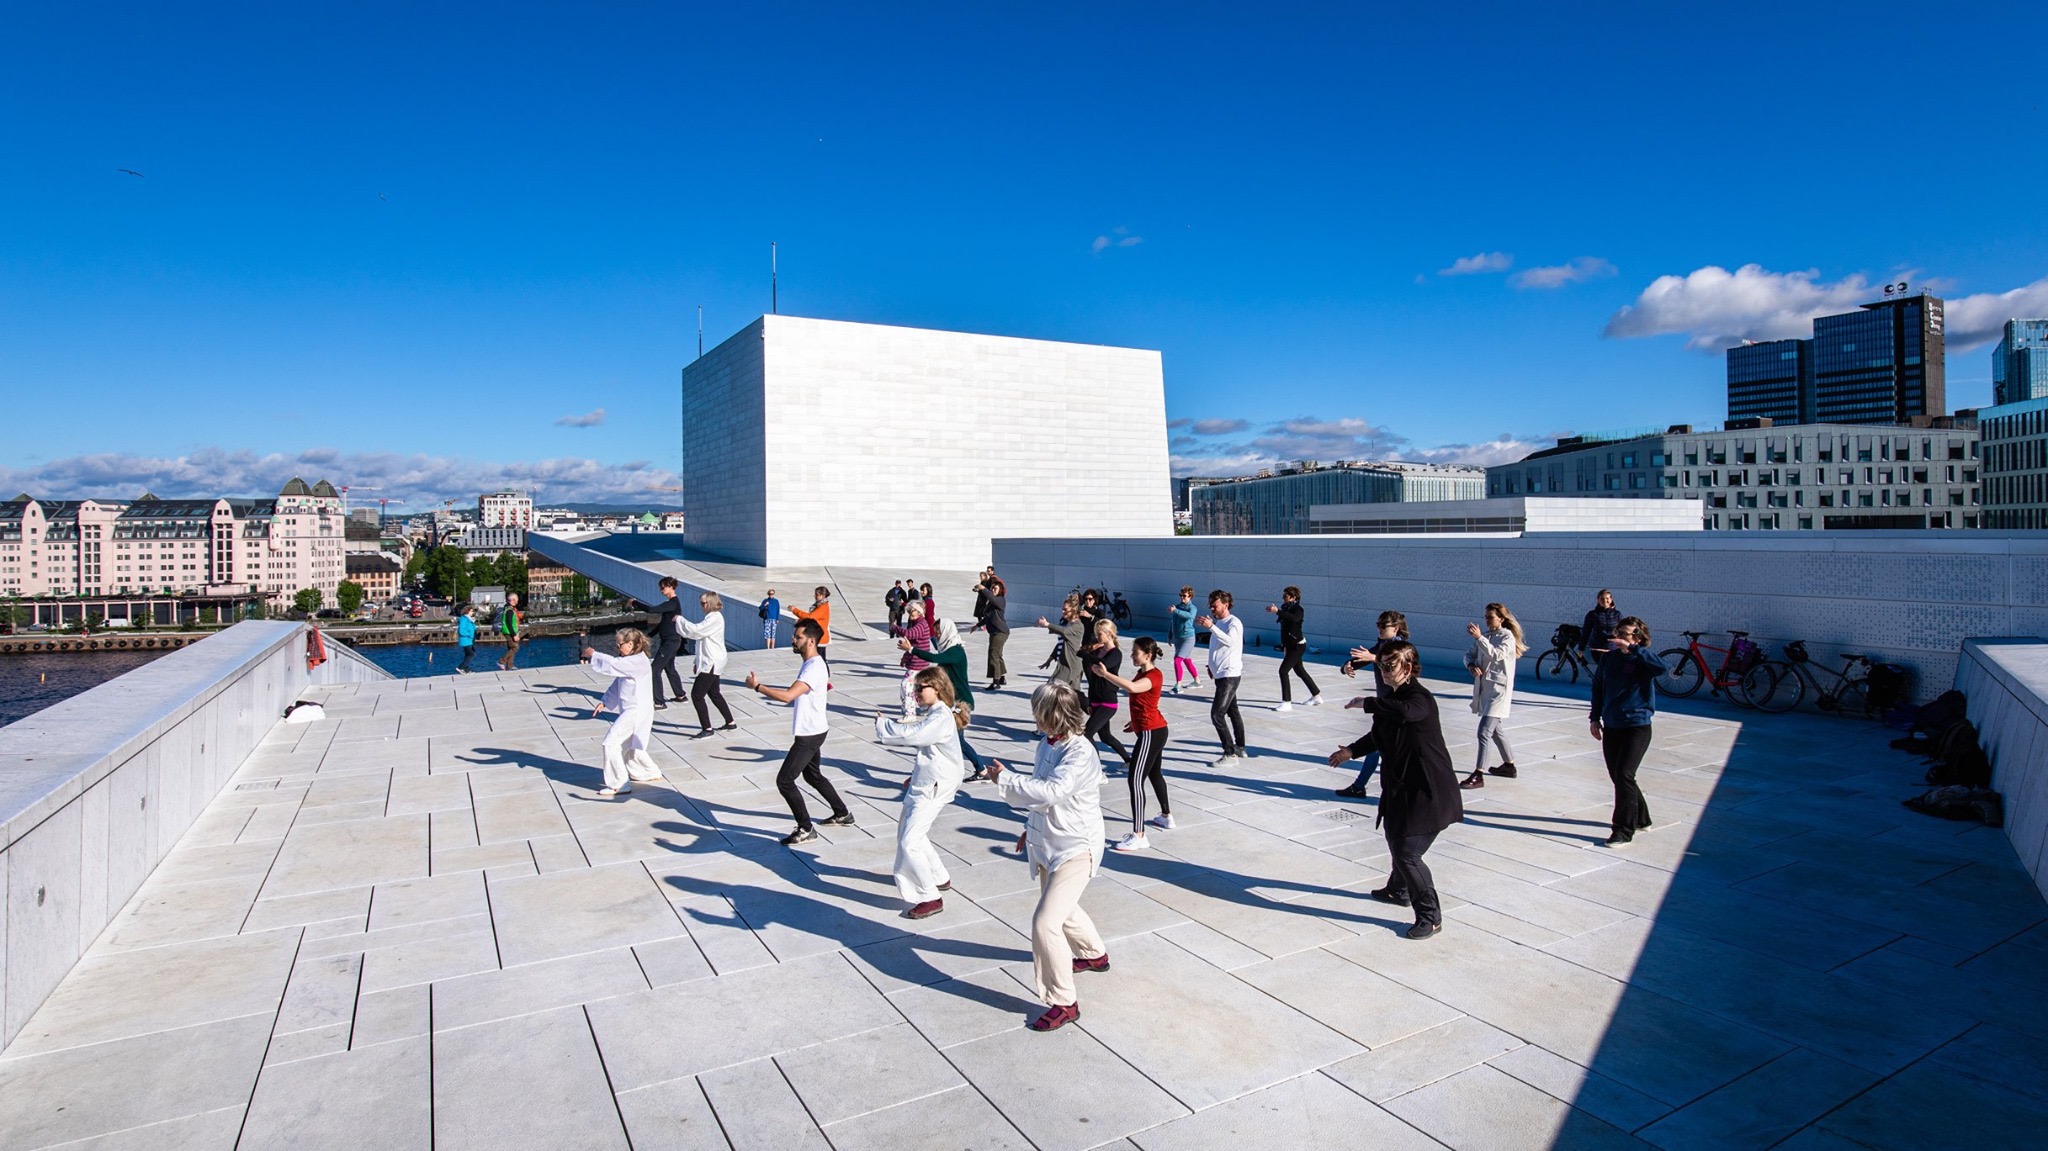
x=709, y=633
x=1226, y=648
x=1493, y=653
x=1062, y=794
x=632, y=688
x=936, y=737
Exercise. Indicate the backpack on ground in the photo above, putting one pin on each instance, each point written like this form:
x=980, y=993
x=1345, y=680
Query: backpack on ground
x=1886, y=687
x=1959, y=758
x=1950, y=707
x=1968, y=804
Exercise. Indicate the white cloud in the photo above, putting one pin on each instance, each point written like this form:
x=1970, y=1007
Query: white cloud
x=1117, y=238
x=1484, y=262
x=1221, y=427
x=420, y=481
x=1345, y=438
x=1505, y=450
x=1971, y=321
x=587, y=420
x=1716, y=309
x=1563, y=275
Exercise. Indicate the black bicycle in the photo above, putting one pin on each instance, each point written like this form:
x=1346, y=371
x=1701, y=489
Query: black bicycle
x=1849, y=694
x=1564, y=656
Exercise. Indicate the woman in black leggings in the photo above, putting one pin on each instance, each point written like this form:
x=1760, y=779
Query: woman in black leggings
x=1150, y=727
x=1624, y=703
x=1100, y=661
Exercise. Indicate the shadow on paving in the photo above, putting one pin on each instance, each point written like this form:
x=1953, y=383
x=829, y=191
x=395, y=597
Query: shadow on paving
x=1821, y=963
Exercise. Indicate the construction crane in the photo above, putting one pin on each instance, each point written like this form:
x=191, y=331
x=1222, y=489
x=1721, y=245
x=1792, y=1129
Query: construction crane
x=345, y=489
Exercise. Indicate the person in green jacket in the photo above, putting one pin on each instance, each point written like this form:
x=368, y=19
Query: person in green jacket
x=949, y=653
x=508, y=626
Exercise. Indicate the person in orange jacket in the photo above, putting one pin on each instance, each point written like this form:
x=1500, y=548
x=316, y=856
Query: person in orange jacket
x=821, y=611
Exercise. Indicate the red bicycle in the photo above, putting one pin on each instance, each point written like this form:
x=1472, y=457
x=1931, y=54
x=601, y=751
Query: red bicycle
x=1742, y=669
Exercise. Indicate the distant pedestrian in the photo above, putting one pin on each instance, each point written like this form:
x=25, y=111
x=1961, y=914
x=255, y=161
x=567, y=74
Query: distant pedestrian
x=894, y=602
x=771, y=616
x=1067, y=652
x=808, y=725
x=1100, y=661
x=1226, y=668
x=510, y=622
x=1598, y=629
x=916, y=644
x=931, y=603
x=1180, y=633
x=934, y=729
x=667, y=643
x=629, y=697
x=995, y=620
x=1624, y=704
x=465, y=636
x=1063, y=840
x=1393, y=626
x=1293, y=646
x=1491, y=661
x=820, y=614
x=709, y=634
x=1419, y=788
x=1148, y=724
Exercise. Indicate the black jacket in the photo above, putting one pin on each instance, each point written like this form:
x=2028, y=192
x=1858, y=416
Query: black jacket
x=1290, y=626
x=667, y=640
x=1418, y=786
x=995, y=612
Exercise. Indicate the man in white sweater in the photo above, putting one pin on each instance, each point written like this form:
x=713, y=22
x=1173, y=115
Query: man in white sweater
x=1226, y=667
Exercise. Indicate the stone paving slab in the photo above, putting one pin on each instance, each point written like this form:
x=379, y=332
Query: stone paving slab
x=415, y=924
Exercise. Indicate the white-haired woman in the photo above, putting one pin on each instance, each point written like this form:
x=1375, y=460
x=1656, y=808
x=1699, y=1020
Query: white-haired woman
x=934, y=730
x=631, y=698
x=1063, y=840
x=709, y=632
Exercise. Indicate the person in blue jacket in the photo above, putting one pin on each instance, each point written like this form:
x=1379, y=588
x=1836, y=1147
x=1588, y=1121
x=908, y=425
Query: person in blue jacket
x=465, y=637
x=1180, y=635
x=771, y=614
x=1624, y=703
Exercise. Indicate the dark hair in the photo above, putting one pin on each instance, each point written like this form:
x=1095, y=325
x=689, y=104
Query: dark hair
x=822, y=592
x=667, y=582
x=1400, y=653
x=996, y=585
x=1290, y=592
x=1631, y=623
x=1395, y=620
x=1146, y=646
x=926, y=588
x=1221, y=596
x=809, y=629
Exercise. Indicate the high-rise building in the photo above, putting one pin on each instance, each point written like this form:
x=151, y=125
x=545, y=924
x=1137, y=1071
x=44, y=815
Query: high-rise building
x=2015, y=463
x=505, y=510
x=1880, y=364
x=1771, y=379
x=2019, y=364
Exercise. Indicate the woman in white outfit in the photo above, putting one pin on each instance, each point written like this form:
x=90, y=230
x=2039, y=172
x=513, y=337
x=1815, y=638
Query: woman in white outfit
x=631, y=696
x=709, y=633
x=1491, y=661
x=934, y=730
x=1063, y=836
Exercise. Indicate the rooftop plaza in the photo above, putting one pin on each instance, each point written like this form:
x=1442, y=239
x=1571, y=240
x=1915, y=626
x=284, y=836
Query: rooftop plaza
x=414, y=924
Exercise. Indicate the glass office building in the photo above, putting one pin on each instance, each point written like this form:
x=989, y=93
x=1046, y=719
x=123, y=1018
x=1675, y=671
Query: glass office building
x=2016, y=463
x=1279, y=504
x=1772, y=380
x=2019, y=364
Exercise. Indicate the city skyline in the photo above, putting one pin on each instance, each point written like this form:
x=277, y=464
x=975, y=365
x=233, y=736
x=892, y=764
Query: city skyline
x=472, y=259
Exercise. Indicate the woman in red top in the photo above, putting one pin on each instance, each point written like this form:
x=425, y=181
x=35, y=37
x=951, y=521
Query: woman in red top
x=1150, y=727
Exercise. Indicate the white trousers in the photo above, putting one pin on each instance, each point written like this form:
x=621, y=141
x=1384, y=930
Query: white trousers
x=919, y=869
x=626, y=744
x=1061, y=931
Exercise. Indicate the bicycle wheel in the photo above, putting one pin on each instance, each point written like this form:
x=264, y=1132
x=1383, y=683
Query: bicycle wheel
x=1773, y=686
x=1555, y=663
x=1682, y=675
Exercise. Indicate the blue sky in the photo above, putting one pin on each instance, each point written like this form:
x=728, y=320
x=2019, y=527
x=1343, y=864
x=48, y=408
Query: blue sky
x=419, y=248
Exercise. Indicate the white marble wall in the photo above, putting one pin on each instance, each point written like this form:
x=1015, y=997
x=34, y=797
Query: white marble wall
x=1908, y=597
x=2007, y=683
x=95, y=790
x=887, y=446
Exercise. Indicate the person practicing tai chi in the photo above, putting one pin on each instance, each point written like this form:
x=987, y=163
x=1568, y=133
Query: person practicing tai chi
x=808, y=725
x=1393, y=626
x=631, y=698
x=950, y=656
x=1491, y=661
x=1067, y=652
x=709, y=634
x=820, y=614
x=1623, y=708
x=934, y=730
x=1146, y=754
x=1063, y=840
x=1100, y=661
x=1180, y=632
x=1293, y=646
x=1418, y=787
x=1226, y=668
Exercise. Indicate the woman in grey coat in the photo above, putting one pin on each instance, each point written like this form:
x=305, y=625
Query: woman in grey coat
x=1491, y=661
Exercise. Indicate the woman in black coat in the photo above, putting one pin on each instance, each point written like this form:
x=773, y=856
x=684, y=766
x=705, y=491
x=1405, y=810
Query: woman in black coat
x=1418, y=787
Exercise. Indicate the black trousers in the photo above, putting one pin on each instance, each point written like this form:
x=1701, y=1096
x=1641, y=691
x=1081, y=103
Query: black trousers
x=1146, y=756
x=1292, y=662
x=1224, y=714
x=1624, y=748
x=1411, y=875
x=665, y=665
x=804, y=761
x=1098, y=729
x=704, y=687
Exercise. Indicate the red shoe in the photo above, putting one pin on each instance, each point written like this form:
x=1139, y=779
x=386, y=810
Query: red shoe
x=1056, y=1018
x=1099, y=963
x=926, y=910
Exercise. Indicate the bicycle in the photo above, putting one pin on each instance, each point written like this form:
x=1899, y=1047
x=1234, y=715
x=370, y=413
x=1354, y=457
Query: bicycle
x=1686, y=668
x=1792, y=675
x=1564, y=655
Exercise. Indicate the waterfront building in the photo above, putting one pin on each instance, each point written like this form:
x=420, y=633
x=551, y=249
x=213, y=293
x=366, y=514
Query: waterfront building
x=224, y=546
x=490, y=541
x=1755, y=474
x=2019, y=364
x=1278, y=504
x=377, y=573
x=506, y=509
x=1880, y=364
x=2015, y=448
x=810, y=442
x=1505, y=515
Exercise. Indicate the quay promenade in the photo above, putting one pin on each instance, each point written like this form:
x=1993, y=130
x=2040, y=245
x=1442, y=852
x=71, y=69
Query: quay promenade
x=413, y=924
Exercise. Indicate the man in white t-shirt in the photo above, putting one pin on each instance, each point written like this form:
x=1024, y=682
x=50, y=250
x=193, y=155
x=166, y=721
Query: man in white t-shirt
x=1226, y=667
x=808, y=724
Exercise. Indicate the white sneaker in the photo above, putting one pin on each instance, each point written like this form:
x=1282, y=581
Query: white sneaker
x=639, y=778
x=1162, y=822
x=1315, y=701
x=1132, y=842
x=1284, y=706
x=1227, y=759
